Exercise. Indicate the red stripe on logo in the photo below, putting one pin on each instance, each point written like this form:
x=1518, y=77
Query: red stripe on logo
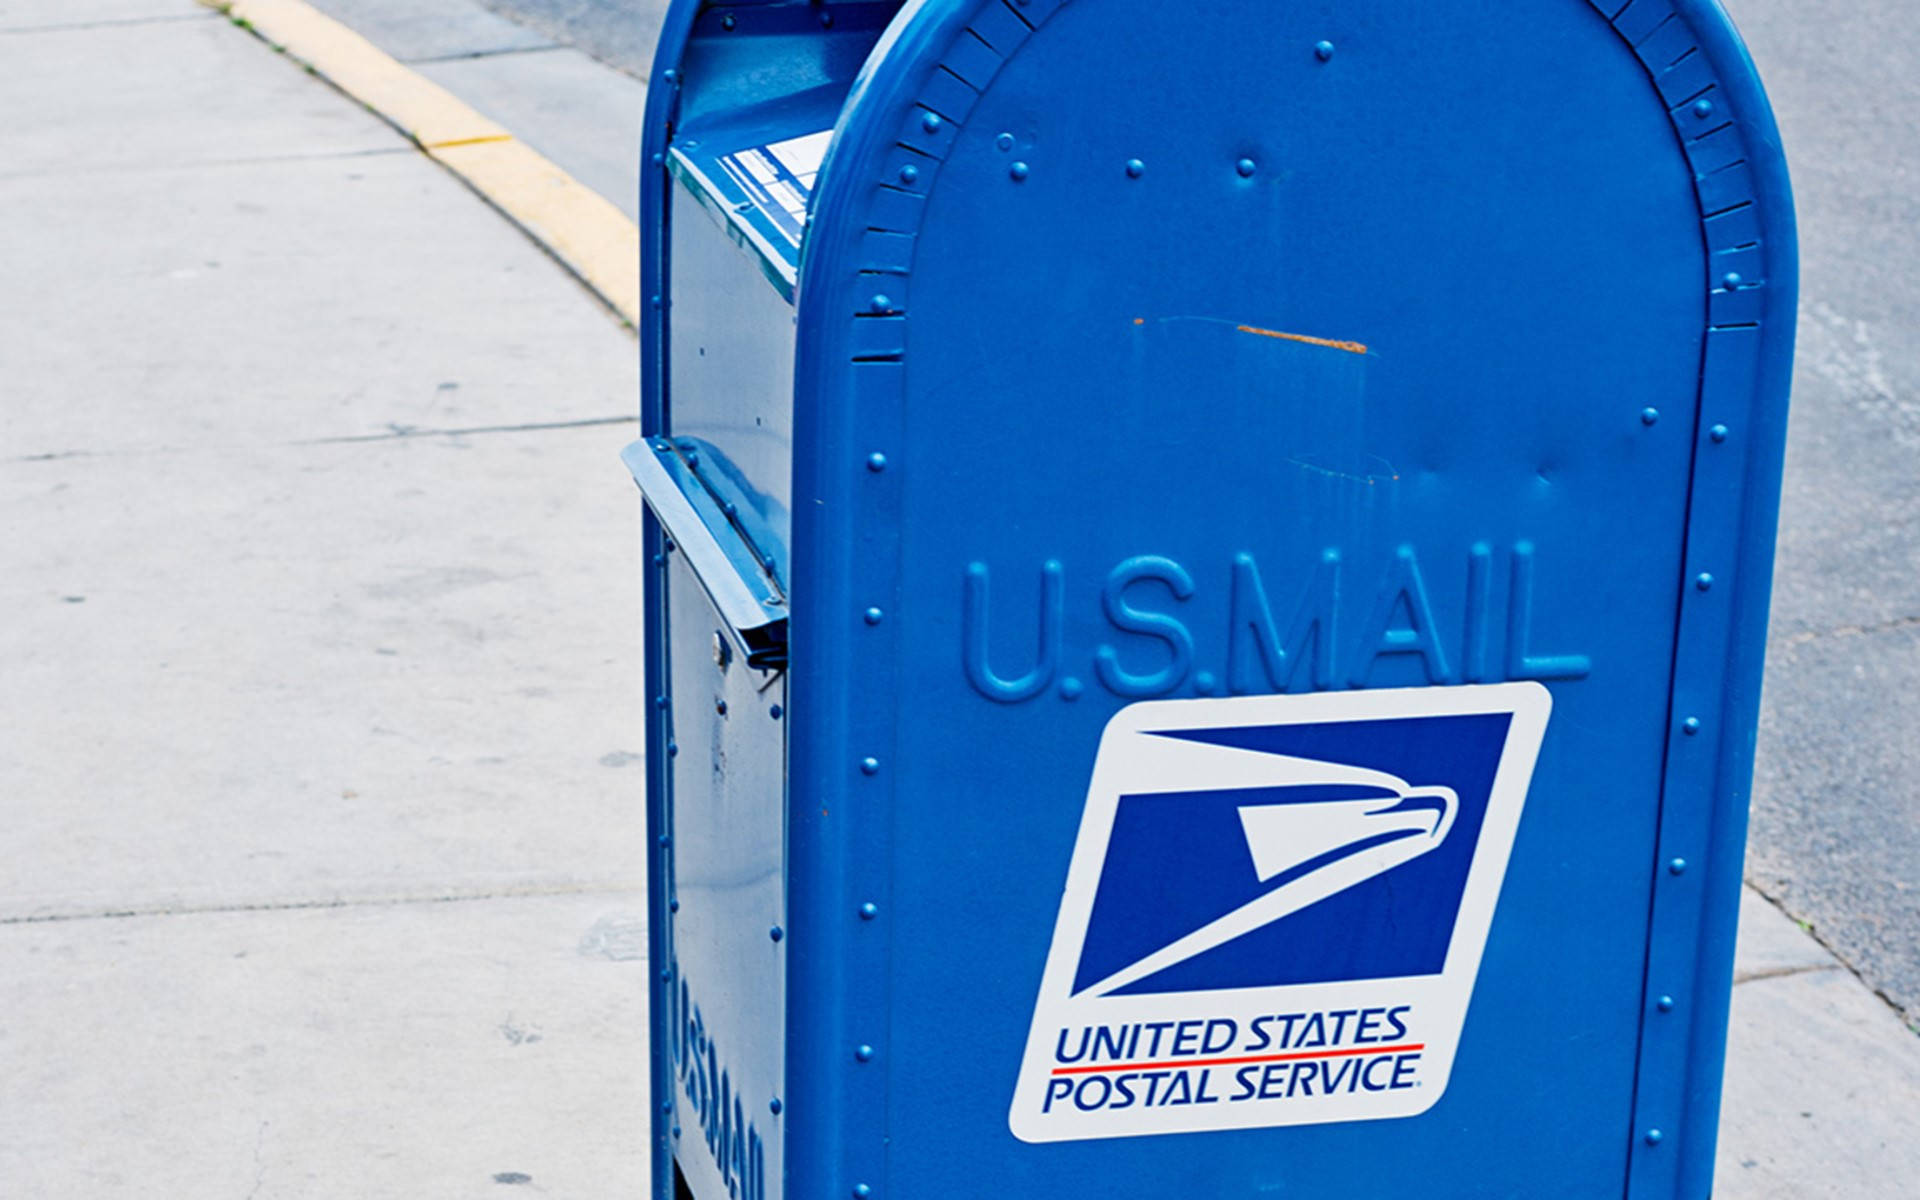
x=1234, y=1062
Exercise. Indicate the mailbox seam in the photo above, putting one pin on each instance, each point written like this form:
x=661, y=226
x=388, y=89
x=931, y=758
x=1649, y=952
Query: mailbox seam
x=1691, y=764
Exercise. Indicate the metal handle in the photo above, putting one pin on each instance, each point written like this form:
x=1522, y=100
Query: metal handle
x=729, y=568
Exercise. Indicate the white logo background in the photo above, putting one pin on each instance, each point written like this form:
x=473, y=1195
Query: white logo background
x=1269, y=1055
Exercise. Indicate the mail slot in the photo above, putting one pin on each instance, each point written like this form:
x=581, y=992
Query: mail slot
x=1207, y=570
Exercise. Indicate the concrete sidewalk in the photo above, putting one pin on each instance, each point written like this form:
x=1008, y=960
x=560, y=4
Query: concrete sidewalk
x=319, y=762
x=321, y=592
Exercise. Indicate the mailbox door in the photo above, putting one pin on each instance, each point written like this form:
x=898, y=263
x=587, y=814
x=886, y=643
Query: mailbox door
x=1330, y=378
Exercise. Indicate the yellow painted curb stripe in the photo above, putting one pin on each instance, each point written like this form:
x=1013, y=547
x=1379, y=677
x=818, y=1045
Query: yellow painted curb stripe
x=577, y=225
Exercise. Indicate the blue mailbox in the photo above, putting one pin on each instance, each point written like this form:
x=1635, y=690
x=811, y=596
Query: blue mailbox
x=1209, y=569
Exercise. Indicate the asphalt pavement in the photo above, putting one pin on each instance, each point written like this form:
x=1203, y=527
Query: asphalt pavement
x=1836, y=816
x=620, y=33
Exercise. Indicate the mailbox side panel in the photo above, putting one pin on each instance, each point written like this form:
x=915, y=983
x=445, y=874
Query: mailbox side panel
x=717, y=355
x=1399, y=341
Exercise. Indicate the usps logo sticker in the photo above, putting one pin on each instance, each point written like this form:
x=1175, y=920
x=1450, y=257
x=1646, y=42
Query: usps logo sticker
x=1275, y=910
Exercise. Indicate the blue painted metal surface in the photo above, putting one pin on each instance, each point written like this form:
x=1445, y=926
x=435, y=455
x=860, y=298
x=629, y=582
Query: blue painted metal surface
x=1116, y=355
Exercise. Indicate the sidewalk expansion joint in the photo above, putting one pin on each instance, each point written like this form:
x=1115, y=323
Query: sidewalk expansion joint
x=394, y=433
x=196, y=164
x=104, y=23
x=408, y=431
x=1741, y=977
x=198, y=910
x=580, y=229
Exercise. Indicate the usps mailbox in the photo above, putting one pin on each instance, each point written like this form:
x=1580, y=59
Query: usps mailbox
x=1208, y=572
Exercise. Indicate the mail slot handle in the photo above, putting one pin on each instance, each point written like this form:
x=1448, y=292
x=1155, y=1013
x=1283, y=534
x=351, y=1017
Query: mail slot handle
x=747, y=598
